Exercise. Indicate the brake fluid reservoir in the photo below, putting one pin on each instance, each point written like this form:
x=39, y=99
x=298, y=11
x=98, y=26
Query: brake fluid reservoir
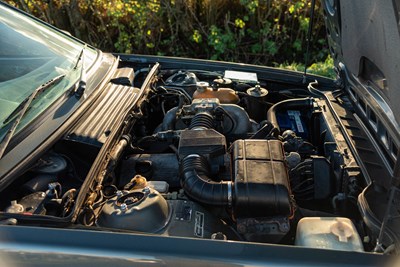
x=224, y=95
x=335, y=233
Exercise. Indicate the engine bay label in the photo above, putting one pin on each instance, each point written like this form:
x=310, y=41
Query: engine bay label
x=294, y=115
x=241, y=76
x=199, y=224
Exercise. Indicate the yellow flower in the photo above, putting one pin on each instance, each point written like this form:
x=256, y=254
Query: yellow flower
x=239, y=23
x=196, y=36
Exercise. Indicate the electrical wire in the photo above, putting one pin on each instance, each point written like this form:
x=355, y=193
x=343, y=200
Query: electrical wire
x=84, y=220
x=176, y=89
x=314, y=91
x=163, y=107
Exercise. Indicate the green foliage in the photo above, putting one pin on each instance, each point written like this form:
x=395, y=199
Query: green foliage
x=251, y=5
x=324, y=68
x=265, y=32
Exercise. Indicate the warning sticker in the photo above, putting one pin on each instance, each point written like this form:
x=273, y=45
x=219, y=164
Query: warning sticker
x=295, y=116
x=241, y=76
x=199, y=224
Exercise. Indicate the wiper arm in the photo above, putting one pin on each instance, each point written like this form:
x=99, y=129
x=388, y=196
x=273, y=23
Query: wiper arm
x=80, y=90
x=21, y=110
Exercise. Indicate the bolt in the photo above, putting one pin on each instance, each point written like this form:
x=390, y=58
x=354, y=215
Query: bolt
x=123, y=207
x=146, y=190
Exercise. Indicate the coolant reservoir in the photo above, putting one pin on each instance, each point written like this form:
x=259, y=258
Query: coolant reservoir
x=225, y=95
x=334, y=233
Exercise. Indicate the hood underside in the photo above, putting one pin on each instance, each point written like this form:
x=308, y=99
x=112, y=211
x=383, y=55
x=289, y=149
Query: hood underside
x=364, y=36
x=364, y=41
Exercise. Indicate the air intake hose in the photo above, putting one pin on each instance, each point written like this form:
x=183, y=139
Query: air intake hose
x=194, y=180
x=202, y=120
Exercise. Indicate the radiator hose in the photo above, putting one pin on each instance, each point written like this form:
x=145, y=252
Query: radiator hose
x=197, y=185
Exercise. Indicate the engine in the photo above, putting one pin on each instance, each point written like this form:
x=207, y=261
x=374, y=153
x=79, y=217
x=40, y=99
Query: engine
x=206, y=157
x=248, y=181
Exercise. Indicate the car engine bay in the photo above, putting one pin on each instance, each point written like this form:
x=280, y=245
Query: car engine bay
x=214, y=154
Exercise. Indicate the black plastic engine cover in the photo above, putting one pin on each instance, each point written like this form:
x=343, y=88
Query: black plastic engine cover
x=208, y=143
x=261, y=186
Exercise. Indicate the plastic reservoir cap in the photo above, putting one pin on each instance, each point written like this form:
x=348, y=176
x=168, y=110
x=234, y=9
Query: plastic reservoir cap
x=202, y=86
x=15, y=207
x=334, y=233
x=342, y=230
x=257, y=91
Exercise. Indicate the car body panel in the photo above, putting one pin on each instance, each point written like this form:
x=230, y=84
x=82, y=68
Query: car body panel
x=47, y=246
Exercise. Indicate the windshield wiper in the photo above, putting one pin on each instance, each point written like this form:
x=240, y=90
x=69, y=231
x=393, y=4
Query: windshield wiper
x=21, y=110
x=80, y=90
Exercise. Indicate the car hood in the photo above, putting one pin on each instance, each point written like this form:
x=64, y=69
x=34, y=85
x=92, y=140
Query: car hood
x=364, y=42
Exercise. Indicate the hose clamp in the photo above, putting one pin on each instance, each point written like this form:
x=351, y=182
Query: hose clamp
x=192, y=156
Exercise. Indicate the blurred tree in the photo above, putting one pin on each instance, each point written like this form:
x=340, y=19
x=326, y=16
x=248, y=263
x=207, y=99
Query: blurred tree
x=266, y=32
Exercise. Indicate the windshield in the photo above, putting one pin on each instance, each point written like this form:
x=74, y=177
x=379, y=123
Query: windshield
x=31, y=54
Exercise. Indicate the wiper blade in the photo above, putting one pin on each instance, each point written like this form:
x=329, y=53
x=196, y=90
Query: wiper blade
x=21, y=110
